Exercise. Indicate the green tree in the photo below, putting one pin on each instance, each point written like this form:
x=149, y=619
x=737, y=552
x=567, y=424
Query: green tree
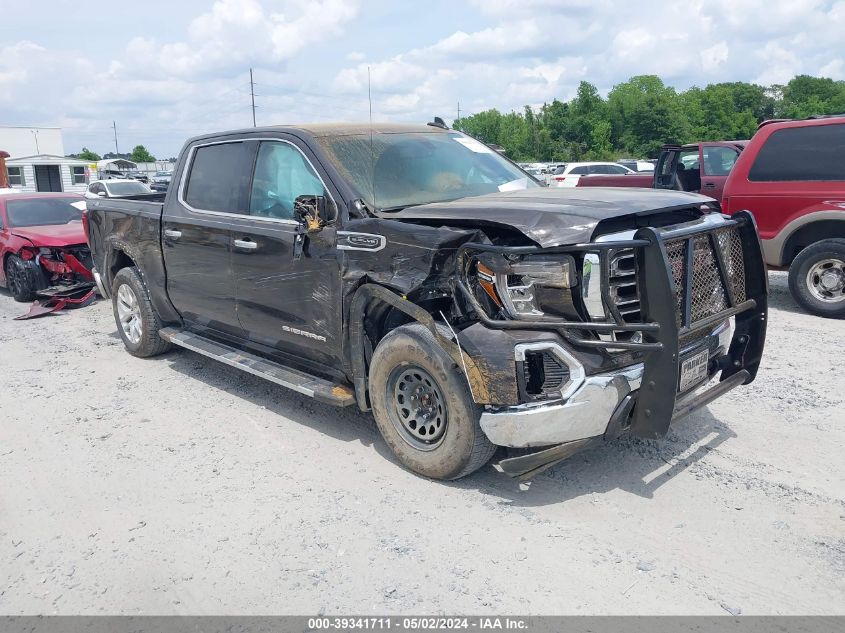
x=87, y=154
x=141, y=155
x=805, y=96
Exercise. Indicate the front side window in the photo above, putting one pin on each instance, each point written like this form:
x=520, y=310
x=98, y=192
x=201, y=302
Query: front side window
x=214, y=175
x=814, y=153
x=77, y=175
x=42, y=211
x=718, y=160
x=282, y=174
x=16, y=176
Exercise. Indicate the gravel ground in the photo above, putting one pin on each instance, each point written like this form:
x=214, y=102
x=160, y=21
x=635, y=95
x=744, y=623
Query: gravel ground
x=177, y=485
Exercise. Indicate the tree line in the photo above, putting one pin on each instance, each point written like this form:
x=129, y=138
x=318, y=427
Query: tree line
x=642, y=114
x=139, y=154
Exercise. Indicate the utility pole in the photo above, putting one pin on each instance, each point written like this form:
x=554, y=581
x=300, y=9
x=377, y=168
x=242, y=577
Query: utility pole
x=252, y=94
x=459, y=113
x=114, y=125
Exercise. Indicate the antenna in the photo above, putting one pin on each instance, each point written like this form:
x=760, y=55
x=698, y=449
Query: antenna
x=252, y=94
x=372, y=149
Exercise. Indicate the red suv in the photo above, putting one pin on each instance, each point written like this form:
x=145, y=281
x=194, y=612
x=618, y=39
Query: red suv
x=792, y=178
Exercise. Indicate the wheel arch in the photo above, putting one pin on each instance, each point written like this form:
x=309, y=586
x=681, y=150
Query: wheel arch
x=376, y=311
x=809, y=227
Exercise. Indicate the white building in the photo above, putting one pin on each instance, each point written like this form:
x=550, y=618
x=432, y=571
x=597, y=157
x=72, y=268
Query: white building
x=37, y=161
x=48, y=173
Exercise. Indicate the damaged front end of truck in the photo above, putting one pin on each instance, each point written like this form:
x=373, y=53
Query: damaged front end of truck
x=565, y=346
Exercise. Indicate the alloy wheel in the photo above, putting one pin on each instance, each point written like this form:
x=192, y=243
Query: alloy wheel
x=129, y=314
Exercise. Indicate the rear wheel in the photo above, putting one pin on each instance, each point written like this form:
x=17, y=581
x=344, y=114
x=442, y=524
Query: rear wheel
x=137, y=321
x=423, y=406
x=817, y=278
x=23, y=278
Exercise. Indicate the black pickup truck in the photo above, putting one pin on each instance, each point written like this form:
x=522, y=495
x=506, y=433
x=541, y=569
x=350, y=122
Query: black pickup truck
x=414, y=271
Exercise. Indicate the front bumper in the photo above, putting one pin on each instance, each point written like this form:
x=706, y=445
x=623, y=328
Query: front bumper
x=600, y=406
x=585, y=414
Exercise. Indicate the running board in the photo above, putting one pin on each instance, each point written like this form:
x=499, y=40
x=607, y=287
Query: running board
x=318, y=388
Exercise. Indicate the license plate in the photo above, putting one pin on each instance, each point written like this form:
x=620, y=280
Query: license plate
x=693, y=370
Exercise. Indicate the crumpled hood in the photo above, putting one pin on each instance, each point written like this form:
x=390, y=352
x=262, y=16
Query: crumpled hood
x=54, y=235
x=552, y=216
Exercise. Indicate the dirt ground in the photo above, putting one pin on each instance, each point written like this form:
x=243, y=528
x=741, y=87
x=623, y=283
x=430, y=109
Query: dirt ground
x=177, y=485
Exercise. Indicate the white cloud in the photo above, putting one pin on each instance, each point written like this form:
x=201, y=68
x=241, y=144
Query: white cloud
x=311, y=59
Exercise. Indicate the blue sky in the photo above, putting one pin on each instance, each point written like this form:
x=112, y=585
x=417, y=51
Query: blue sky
x=167, y=70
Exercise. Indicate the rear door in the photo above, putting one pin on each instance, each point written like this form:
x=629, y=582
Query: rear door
x=716, y=163
x=678, y=168
x=196, y=235
x=288, y=294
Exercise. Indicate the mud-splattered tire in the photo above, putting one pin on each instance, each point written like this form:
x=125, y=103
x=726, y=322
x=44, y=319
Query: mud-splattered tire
x=137, y=321
x=23, y=278
x=817, y=278
x=423, y=406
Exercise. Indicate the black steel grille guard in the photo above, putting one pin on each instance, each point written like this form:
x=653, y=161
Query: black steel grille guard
x=659, y=300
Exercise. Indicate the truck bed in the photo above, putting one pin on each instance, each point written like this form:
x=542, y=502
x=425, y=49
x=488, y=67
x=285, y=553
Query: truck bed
x=130, y=225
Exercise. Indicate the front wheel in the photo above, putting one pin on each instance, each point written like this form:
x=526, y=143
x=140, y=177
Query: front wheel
x=137, y=321
x=817, y=278
x=23, y=278
x=423, y=407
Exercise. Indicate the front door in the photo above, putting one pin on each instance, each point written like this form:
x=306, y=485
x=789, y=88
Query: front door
x=288, y=294
x=48, y=178
x=196, y=236
x=716, y=164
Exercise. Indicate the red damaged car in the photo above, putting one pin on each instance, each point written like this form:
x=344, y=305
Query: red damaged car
x=42, y=245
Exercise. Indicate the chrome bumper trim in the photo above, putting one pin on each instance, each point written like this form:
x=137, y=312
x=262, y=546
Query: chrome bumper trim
x=99, y=281
x=585, y=414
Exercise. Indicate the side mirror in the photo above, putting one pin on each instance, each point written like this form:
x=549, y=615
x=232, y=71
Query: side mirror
x=311, y=211
x=101, y=194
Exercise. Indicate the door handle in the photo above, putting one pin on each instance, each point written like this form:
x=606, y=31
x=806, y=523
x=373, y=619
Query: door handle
x=709, y=185
x=173, y=235
x=247, y=245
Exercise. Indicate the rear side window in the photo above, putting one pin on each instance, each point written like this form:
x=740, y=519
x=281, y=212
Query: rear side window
x=214, y=177
x=801, y=153
x=580, y=170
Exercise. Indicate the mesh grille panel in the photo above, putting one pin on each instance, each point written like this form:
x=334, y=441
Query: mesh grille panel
x=707, y=294
x=675, y=251
x=731, y=245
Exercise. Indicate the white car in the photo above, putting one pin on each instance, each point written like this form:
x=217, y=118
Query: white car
x=115, y=188
x=569, y=175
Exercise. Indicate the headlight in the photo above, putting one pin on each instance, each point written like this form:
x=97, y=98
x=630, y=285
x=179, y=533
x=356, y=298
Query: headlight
x=516, y=289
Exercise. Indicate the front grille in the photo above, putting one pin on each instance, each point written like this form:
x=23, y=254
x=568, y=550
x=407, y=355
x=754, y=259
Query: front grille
x=624, y=295
x=543, y=374
x=707, y=293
